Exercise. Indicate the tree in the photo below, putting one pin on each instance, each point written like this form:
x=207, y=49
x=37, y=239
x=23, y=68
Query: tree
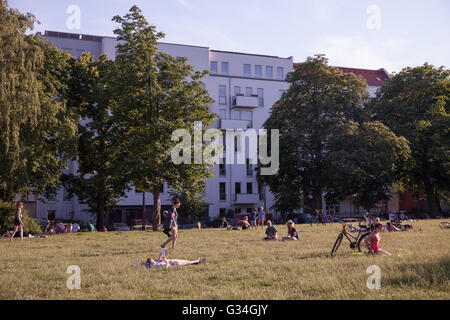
x=415, y=104
x=37, y=129
x=101, y=179
x=157, y=94
x=192, y=200
x=327, y=145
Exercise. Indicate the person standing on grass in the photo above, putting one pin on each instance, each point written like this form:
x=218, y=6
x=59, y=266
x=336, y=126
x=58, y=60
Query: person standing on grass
x=18, y=224
x=170, y=224
x=253, y=218
x=373, y=240
x=261, y=217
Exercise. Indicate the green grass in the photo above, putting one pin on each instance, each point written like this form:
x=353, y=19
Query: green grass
x=240, y=266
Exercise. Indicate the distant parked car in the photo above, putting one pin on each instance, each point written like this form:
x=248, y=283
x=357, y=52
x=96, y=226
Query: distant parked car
x=121, y=227
x=300, y=217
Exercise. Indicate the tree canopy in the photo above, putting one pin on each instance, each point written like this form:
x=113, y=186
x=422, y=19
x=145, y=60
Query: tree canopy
x=415, y=104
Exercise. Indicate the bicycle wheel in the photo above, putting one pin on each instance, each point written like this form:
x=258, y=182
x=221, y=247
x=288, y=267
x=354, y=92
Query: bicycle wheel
x=361, y=240
x=337, y=244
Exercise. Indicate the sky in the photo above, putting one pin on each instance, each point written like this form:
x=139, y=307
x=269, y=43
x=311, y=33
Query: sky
x=371, y=34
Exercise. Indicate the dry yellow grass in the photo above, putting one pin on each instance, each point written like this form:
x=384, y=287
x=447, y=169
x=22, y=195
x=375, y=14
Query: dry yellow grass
x=241, y=266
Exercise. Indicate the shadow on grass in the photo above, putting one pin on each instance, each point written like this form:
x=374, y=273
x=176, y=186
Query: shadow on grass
x=426, y=274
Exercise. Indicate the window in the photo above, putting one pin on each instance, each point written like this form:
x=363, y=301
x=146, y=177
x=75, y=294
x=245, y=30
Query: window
x=237, y=143
x=80, y=53
x=261, y=191
x=236, y=90
x=280, y=73
x=222, y=195
x=249, y=188
x=51, y=214
x=222, y=94
x=213, y=66
x=260, y=92
x=269, y=72
x=225, y=67
x=248, y=91
x=222, y=170
x=247, y=70
x=244, y=115
x=249, y=168
x=258, y=71
x=332, y=208
x=66, y=195
x=237, y=187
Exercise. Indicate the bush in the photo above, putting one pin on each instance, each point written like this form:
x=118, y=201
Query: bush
x=7, y=212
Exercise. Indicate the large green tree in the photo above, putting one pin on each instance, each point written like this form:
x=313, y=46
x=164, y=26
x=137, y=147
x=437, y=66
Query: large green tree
x=326, y=144
x=157, y=94
x=415, y=104
x=101, y=178
x=37, y=130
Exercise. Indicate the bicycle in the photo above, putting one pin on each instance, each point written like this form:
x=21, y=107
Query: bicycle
x=355, y=241
x=444, y=225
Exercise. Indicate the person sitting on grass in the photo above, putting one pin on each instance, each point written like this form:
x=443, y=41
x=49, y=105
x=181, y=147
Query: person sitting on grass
x=163, y=261
x=60, y=227
x=244, y=223
x=271, y=232
x=225, y=224
x=392, y=228
x=373, y=240
x=292, y=232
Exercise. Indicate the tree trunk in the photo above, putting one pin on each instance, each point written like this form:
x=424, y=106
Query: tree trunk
x=438, y=203
x=318, y=198
x=100, y=211
x=156, y=221
x=431, y=200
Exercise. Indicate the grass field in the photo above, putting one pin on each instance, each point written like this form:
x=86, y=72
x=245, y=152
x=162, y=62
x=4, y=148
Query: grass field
x=240, y=266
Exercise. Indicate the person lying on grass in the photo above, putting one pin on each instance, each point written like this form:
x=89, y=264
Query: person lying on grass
x=373, y=240
x=166, y=263
x=225, y=224
x=391, y=228
x=271, y=232
x=292, y=232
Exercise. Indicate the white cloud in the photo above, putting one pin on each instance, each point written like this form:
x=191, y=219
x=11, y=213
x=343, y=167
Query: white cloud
x=358, y=52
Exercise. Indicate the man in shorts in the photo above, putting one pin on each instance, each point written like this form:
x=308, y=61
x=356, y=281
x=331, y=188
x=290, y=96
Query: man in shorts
x=170, y=224
x=261, y=217
x=18, y=224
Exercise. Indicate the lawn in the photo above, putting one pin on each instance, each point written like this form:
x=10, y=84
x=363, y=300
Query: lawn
x=240, y=266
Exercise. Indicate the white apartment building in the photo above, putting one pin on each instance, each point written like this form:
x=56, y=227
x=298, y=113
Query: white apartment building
x=244, y=87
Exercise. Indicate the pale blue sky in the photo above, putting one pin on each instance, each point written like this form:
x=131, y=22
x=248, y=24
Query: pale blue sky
x=410, y=33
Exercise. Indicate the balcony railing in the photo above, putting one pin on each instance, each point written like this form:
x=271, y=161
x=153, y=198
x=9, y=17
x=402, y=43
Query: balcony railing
x=225, y=124
x=246, y=198
x=245, y=101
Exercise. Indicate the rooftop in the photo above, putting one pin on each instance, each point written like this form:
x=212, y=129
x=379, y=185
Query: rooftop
x=372, y=77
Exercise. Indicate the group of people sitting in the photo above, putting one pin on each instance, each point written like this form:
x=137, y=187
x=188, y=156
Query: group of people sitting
x=58, y=227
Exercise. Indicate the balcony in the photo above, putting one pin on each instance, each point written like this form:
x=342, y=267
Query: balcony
x=246, y=198
x=225, y=124
x=241, y=101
